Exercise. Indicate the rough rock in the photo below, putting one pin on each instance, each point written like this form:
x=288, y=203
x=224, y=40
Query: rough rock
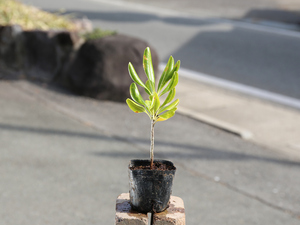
x=45, y=53
x=10, y=47
x=100, y=67
x=35, y=54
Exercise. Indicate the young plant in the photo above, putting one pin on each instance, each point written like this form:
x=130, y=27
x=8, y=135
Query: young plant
x=153, y=107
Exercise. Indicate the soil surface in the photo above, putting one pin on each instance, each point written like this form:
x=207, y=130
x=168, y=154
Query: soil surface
x=156, y=166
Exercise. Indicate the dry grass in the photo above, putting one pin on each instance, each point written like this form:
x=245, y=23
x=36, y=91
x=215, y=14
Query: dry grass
x=29, y=17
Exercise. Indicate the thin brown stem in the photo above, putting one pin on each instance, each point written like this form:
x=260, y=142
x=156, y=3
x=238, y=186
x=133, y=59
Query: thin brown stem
x=152, y=145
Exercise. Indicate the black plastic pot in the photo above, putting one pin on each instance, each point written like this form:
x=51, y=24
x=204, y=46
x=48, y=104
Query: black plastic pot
x=150, y=190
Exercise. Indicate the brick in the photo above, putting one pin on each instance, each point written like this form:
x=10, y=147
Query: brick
x=173, y=215
x=125, y=215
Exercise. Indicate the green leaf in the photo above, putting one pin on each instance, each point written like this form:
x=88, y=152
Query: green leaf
x=147, y=91
x=151, y=100
x=135, y=94
x=172, y=84
x=169, y=75
x=134, y=76
x=177, y=66
x=152, y=103
x=167, y=70
x=169, y=107
x=166, y=115
x=170, y=97
x=148, y=66
x=134, y=106
x=156, y=104
x=149, y=86
x=175, y=69
x=148, y=105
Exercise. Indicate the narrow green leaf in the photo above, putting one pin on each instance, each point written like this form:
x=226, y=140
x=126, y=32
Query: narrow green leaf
x=152, y=103
x=167, y=70
x=156, y=102
x=148, y=105
x=177, y=65
x=172, y=84
x=134, y=106
x=166, y=115
x=170, y=74
x=148, y=66
x=175, y=69
x=149, y=86
x=135, y=94
x=134, y=76
x=170, y=97
x=148, y=91
x=170, y=106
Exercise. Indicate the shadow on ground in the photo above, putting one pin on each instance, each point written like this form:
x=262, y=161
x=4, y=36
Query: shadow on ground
x=195, y=152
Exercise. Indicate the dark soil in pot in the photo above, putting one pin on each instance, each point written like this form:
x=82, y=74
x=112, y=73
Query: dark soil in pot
x=150, y=189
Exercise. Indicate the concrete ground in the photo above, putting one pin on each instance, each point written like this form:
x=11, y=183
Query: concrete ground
x=273, y=126
x=64, y=160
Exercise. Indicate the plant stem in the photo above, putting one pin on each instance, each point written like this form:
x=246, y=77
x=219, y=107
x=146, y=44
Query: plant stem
x=152, y=144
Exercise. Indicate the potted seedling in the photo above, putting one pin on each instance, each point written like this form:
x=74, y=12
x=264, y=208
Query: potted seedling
x=150, y=181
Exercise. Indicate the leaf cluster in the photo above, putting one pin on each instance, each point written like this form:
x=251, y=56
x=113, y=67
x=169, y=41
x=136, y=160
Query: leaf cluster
x=153, y=107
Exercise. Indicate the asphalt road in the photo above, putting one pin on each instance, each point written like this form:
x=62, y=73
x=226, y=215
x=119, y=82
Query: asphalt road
x=258, y=56
x=64, y=160
x=279, y=10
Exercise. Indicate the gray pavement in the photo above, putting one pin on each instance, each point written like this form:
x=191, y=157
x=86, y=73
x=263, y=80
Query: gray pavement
x=64, y=161
x=271, y=125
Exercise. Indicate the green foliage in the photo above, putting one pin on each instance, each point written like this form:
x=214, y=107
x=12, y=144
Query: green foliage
x=98, y=33
x=153, y=107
